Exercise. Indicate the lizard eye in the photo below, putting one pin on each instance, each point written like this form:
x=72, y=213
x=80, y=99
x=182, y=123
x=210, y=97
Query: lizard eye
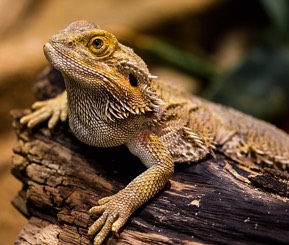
x=102, y=44
x=97, y=43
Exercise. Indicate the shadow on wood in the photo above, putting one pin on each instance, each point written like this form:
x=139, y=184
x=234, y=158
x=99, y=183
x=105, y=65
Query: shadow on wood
x=213, y=202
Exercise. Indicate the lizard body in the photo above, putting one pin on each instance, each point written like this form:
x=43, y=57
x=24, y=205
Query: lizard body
x=112, y=99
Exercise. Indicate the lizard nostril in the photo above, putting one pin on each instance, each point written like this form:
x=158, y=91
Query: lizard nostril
x=70, y=44
x=132, y=80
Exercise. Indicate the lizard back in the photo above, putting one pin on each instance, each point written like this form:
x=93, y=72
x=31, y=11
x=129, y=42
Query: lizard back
x=193, y=127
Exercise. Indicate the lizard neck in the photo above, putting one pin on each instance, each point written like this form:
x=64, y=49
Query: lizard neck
x=88, y=121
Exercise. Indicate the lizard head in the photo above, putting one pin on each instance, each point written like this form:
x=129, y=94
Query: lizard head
x=92, y=59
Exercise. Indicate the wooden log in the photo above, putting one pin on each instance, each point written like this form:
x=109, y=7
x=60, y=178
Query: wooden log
x=216, y=201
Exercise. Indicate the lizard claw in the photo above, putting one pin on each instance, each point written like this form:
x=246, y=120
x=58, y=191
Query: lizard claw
x=54, y=109
x=113, y=212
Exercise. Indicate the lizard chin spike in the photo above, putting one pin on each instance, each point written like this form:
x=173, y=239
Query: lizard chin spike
x=152, y=77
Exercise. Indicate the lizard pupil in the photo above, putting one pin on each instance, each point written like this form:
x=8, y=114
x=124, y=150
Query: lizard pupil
x=132, y=80
x=97, y=43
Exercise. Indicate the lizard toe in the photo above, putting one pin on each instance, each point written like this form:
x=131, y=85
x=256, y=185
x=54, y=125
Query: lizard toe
x=104, y=224
x=38, y=104
x=53, y=109
x=97, y=210
x=98, y=224
x=54, y=119
x=37, y=117
x=119, y=223
x=106, y=199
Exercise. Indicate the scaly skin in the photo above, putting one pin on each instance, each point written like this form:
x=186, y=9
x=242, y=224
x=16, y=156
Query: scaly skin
x=112, y=99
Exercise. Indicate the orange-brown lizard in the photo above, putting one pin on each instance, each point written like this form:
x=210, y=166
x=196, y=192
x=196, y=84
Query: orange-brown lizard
x=112, y=99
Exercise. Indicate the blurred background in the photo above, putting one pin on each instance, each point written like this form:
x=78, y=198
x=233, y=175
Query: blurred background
x=233, y=52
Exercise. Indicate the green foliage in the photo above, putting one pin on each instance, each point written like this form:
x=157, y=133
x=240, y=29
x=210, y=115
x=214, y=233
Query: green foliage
x=179, y=58
x=278, y=11
x=259, y=85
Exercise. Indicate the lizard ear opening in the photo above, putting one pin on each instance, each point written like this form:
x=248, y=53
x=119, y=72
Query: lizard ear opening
x=132, y=80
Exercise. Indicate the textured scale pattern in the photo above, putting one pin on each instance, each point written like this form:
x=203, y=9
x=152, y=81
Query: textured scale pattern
x=251, y=138
x=112, y=99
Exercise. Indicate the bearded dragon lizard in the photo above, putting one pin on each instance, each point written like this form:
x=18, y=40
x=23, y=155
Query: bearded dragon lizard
x=112, y=99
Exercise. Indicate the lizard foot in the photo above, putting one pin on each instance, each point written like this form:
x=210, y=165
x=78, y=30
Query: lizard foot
x=114, y=211
x=53, y=109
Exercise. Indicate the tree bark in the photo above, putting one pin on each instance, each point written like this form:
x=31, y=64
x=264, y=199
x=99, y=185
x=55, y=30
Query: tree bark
x=215, y=201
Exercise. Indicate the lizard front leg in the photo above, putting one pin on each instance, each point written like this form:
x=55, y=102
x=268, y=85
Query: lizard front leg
x=116, y=209
x=54, y=109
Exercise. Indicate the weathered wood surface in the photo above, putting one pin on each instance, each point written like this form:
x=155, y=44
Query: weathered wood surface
x=213, y=202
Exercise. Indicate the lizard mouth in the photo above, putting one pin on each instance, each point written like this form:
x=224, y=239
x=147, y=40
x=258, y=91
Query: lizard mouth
x=53, y=56
x=57, y=56
x=63, y=61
